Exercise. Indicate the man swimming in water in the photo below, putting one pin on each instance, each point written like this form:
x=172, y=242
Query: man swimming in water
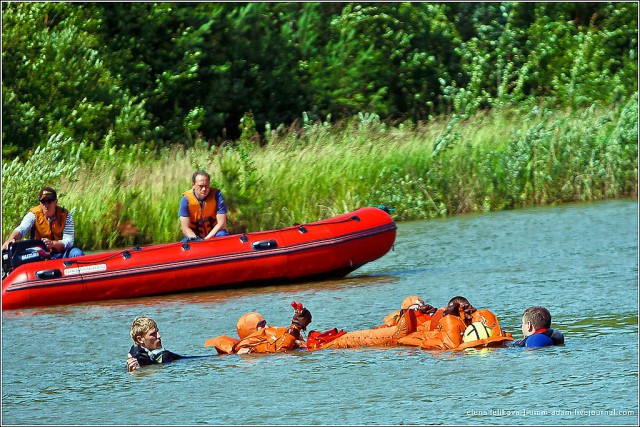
x=147, y=345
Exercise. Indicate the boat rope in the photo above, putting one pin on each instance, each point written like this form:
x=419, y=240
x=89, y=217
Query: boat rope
x=69, y=261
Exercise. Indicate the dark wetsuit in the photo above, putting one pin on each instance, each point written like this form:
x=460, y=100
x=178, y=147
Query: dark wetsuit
x=542, y=338
x=146, y=357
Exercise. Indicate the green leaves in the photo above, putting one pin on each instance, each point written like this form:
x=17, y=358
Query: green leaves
x=167, y=73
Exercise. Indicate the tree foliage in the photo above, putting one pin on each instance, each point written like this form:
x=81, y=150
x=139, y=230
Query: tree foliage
x=163, y=73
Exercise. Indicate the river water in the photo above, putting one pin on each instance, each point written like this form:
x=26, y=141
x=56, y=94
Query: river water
x=65, y=364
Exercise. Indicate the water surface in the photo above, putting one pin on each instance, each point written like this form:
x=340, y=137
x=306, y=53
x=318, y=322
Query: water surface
x=65, y=364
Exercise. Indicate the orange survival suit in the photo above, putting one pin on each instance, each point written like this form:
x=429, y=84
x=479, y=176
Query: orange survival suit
x=445, y=331
x=256, y=337
x=377, y=337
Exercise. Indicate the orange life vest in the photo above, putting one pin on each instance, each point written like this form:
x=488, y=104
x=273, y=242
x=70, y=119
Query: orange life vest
x=202, y=218
x=271, y=339
x=447, y=334
x=440, y=333
x=489, y=319
x=49, y=229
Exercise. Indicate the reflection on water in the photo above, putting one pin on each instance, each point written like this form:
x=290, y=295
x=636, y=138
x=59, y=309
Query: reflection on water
x=65, y=364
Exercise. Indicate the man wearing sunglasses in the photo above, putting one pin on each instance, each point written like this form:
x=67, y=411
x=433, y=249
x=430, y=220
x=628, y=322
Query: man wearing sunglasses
x=256, y=337
x=50, y=223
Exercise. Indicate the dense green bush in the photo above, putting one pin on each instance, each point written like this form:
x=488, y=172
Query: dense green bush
x=166, y=73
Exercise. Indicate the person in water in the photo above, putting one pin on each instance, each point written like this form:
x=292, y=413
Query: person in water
x=202, y=212
x=50, y=223
x=536, y=329
x=447, y=325
x=256, y=337
x=423, y=312
x=397, y=325
x=147, y=345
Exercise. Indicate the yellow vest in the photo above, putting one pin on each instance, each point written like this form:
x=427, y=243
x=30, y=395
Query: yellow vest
x=49, y=229
x=202, y=219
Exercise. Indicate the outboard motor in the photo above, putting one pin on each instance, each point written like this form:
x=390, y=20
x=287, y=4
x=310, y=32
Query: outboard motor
x=21, y=252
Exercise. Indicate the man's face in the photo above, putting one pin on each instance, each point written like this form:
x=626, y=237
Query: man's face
x=152, y=340
x=49, y=208
x=527, y=329
x=201, y=186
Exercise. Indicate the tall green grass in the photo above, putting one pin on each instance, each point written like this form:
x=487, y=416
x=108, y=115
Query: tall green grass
x=491, y=161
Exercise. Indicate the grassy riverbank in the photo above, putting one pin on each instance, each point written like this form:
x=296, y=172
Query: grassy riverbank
x=491, y=161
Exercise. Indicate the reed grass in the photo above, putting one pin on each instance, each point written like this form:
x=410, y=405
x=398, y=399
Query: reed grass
x=495, y=160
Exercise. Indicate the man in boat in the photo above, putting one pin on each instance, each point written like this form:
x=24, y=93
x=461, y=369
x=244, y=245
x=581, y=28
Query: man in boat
x=50, y=223
x=202, y=212
x=256, y=337
x=446, y=328
x=536, y=329
x=147, y=345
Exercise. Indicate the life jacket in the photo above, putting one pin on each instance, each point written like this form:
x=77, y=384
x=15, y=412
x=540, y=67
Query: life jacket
x=427, y=331
x=436, y=318
x=202, y=218
x=149, y=357
x=42, y=227
x=489, y=319
x=543, y=338
x=440, y=314
x=447, y=335
x=318, y=339
x=498, y=337
x=271, y=339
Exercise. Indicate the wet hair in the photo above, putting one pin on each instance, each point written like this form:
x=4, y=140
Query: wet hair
x=460, y=300
x=539, y=317
x=199, y=172
x=140, y=326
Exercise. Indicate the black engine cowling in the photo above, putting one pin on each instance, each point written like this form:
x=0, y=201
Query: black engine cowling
x=21, y=252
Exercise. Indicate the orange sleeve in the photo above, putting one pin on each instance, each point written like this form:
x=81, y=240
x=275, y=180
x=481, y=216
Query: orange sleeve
x=377, y=337
x=223, y=344
x=446, y=336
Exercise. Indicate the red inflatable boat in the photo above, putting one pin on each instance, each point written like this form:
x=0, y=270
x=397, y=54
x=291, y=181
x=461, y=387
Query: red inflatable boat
x=329, y=248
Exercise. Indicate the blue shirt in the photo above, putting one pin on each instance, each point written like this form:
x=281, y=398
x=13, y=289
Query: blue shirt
x=184, y=205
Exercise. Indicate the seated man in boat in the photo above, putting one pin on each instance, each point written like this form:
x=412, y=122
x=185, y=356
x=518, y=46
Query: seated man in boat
x=147, y=345
x=536, y=329
x=203, y=213
x=50, y=223
x=256, y=337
